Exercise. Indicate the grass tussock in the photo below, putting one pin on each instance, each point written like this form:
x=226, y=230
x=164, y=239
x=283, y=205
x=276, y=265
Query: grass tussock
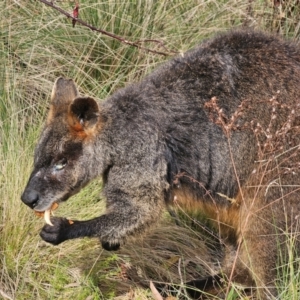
x=37, y=44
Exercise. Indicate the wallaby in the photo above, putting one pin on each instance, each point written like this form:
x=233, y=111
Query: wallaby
x=215, y=130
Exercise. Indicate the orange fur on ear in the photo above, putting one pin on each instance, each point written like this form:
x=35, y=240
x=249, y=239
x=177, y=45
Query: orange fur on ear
x=83, y=115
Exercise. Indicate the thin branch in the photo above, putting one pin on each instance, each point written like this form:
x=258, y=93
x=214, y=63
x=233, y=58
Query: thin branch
x=136, y=44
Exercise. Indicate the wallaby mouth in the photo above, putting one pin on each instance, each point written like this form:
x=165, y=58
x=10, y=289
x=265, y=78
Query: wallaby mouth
x=47, y=213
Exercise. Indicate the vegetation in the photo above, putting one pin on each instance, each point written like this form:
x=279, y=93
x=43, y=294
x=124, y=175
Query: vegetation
x=38, y=44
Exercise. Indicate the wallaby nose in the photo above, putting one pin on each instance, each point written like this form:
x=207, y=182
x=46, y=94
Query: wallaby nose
x=30, y=197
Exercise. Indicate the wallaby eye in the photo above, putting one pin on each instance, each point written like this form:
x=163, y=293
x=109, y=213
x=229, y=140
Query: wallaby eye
x=60, y=165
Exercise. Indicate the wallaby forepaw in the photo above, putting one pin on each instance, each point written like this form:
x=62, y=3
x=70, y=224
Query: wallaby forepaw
x=110, y=246
x=57, y=232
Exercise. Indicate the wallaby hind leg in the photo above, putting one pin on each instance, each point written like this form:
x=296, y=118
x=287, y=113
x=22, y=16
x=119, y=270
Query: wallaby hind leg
x=262, y=240
x=203, y=288
x=195, y=289
x=257, y=258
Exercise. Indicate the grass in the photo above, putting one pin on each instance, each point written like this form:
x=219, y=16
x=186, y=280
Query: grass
x=37, y=44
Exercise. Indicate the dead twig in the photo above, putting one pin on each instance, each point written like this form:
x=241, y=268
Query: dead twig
x=136, y=44
x=155, y=293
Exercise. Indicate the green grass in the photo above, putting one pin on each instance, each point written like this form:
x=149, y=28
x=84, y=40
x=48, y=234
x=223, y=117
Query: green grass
x=37, y=44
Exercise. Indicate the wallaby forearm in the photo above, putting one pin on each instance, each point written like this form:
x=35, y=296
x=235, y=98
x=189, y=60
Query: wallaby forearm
x=111, y=228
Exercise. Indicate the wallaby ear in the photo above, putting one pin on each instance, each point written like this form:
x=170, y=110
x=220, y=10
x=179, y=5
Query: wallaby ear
x=83, y=114
x=64, y=92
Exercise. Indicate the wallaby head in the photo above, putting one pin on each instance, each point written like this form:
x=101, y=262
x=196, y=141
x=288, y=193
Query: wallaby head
x=63, y=150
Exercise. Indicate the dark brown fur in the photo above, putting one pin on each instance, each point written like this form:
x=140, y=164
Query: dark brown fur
x=215, y=130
